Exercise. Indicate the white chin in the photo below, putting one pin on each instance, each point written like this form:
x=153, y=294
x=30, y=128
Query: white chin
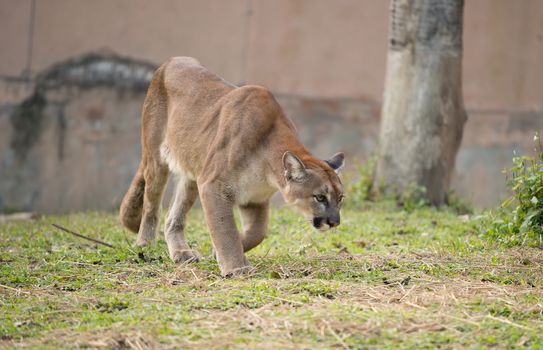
x=324, y=227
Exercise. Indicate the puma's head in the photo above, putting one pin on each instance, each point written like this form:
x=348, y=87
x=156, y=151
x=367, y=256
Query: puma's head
x=313, y=186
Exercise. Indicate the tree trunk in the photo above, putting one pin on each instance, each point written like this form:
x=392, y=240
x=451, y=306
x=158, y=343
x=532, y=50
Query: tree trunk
x=423, y=113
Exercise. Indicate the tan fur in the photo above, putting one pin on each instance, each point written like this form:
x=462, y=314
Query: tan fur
x=234, y=147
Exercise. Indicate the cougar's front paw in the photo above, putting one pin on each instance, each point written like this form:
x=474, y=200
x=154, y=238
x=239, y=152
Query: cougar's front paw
x=236, y=271
x=185, y=256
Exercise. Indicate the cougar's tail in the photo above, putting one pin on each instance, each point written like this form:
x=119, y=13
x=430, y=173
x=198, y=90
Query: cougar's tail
x=132, y=204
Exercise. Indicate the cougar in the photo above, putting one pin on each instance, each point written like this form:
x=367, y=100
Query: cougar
x=232, y=146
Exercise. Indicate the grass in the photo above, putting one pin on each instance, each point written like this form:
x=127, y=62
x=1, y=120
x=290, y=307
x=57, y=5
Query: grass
x=385, y=278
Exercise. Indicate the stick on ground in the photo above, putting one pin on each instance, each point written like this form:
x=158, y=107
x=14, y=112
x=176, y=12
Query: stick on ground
x=82, y=236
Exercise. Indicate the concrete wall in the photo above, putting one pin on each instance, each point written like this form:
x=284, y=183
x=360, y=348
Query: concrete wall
x=325, y=59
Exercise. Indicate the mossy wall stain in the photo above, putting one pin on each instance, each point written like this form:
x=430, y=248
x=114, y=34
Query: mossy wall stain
x=88, y=71
x=26, y=120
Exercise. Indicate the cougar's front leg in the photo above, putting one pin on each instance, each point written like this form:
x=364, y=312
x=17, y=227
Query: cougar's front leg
x=218, y=210
x=254, y=218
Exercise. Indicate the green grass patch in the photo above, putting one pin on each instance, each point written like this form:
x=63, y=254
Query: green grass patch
x=385, y=278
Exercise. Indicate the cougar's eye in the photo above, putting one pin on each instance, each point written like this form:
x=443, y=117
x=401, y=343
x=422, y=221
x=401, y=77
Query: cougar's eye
x=320, y=198
x=341, y=198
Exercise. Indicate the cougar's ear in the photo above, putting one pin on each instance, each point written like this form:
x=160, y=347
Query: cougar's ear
x=294, y=168
x=336, y=162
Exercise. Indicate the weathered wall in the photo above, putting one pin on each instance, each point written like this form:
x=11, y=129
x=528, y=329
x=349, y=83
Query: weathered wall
x=325, y=60
x=73, y=142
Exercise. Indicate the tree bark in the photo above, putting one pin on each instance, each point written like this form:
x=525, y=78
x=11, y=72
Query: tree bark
x=423, y=113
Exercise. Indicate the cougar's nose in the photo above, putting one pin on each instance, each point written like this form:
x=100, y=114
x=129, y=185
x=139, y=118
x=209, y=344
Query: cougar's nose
x=333, y=220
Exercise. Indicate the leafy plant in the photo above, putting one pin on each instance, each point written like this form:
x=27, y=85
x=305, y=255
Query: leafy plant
x=458, y=204
x=359, y=191
x=413, y=197
x=520, y=218
x=362, y=190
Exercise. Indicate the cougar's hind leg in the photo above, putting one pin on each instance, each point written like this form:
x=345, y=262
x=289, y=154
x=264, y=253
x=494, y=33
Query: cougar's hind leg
x=174, y=232
x=154, y=120
x=156, y=176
